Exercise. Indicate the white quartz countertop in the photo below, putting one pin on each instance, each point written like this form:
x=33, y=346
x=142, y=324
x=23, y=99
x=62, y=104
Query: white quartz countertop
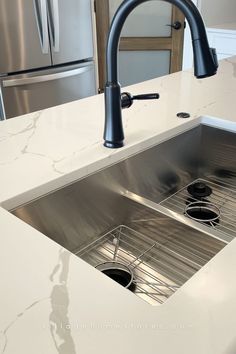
x=53, y=302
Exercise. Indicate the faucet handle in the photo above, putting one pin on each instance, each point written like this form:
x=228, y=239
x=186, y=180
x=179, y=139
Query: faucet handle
x=214, y=56
x=127, y=99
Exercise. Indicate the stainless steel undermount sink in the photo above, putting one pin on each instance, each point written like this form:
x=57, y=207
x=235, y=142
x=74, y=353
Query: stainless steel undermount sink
x=161, y=214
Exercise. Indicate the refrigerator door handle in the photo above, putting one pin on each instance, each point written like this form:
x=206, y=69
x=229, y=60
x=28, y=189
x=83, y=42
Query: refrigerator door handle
x=42, y=23
x=44, y=78
x=55, y=25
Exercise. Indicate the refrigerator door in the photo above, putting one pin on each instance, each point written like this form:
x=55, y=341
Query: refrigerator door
x=38, y=90
x=24, y=38
x=70, y=30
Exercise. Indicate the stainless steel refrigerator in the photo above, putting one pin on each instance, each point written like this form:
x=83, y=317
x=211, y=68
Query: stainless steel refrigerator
x=46, y=54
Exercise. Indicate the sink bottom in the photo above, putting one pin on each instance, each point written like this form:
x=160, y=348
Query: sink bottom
x=141, y=205
x=161, y=262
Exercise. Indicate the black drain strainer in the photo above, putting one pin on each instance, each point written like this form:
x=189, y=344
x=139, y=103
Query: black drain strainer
x=204, y=212
x=199, y=190
x=118, y=272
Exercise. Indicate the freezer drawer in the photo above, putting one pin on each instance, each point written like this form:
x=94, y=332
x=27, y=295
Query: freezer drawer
x=24, y=39
x=38, y=90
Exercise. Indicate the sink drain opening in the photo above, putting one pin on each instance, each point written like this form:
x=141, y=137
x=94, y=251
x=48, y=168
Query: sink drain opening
x=118, y=272
x=204, y=212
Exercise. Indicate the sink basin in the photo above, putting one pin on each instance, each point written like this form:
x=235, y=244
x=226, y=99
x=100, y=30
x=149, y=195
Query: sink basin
x=135, y=213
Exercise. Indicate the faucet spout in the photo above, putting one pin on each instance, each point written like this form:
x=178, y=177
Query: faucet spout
x=205, y=62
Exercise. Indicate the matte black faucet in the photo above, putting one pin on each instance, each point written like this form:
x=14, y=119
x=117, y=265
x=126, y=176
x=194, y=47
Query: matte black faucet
x=205, y=64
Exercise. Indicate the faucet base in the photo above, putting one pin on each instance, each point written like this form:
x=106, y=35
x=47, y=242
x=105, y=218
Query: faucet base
x=113, y=145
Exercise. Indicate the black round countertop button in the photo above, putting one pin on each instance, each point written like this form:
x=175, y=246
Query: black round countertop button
x=183, y=115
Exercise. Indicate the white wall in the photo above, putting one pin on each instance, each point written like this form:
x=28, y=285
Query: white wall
x=216, y=12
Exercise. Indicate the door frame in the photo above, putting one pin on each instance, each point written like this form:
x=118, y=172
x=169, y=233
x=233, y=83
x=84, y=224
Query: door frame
x=174, y=43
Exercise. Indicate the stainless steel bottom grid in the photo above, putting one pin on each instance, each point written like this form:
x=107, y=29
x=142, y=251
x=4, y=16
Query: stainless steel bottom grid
x=159, y=267
x=223, y=197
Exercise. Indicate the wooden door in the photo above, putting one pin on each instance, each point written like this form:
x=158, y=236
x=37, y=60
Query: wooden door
x=171, y=43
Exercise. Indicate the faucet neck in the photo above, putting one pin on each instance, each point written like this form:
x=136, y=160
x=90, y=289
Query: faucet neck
x=186, y=6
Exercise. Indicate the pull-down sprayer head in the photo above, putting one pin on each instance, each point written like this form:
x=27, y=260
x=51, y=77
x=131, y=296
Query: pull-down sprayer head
x=205, y=62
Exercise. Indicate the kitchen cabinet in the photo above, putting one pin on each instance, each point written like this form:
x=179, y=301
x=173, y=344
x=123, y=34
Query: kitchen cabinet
x=220, y=20
x=223, y=38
